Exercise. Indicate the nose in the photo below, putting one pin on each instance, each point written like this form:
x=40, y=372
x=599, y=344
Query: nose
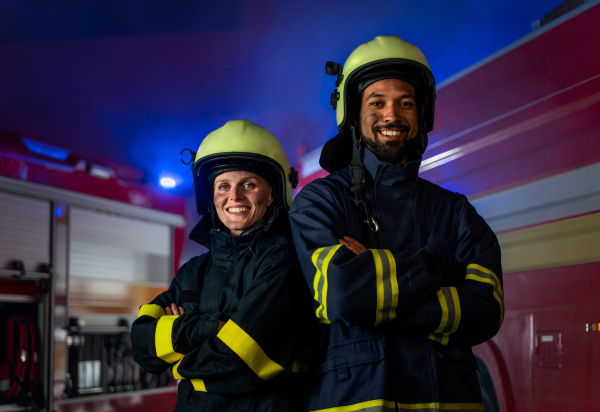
x=391, y=113
x=234, y=194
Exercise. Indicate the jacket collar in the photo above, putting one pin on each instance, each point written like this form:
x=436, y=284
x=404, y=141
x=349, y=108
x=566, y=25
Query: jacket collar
x=379, y=170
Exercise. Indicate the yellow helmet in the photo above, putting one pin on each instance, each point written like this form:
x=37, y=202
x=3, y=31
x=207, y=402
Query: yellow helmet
x=384, y=57
x=242, y=145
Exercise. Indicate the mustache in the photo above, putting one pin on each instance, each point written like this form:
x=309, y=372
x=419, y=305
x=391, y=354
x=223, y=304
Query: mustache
x=396, y=125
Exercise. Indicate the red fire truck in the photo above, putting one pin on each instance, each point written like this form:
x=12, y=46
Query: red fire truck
x=519, y=134
x=83, y=243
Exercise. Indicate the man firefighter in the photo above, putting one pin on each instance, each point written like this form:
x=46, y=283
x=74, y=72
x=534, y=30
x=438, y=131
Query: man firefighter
x=406, y=276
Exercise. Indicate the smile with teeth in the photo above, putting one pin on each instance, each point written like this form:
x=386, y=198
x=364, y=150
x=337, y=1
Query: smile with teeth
x=387, y=132
x=238, y=209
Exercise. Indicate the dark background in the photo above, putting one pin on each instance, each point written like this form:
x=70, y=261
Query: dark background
x=138, y=81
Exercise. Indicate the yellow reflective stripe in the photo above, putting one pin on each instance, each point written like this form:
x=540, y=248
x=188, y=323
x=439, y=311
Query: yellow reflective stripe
x=175, y=371
x=151, y=310
x=301, y=362
x=317, y=280
x=381, y=405
x=393, y=283
x=163, y=339
x=386, y=285
x=198, y=384
x=375, y=405
x=451, y=314
x=457, y=311
x=320, y=259
x=379, y=285
x=444, y=306
x=480, y=274
x=248, y=350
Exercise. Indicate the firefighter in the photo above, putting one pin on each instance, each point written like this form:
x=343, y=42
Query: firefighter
x=235, y=321
x=405, y=275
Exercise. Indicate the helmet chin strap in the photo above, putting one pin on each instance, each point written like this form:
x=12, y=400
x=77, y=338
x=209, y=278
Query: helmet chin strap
x=357, y=173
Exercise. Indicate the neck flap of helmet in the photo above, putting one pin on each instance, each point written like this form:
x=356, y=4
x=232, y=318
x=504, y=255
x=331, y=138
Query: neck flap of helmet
x=357, y=174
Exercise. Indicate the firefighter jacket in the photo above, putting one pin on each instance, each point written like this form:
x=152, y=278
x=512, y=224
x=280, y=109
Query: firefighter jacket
x=397, y=322
x=251, y=364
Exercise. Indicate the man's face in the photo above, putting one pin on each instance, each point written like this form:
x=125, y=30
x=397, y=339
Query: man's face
x=388, y=119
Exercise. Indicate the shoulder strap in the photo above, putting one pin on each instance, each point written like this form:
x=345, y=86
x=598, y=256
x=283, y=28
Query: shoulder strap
x=357, y=174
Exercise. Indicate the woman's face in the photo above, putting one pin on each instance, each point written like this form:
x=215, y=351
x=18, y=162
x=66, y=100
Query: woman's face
x=241, y=199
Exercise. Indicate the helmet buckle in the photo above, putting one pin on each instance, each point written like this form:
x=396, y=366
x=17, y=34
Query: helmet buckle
x=293, y=176
x=335, y=96
x=192, y=157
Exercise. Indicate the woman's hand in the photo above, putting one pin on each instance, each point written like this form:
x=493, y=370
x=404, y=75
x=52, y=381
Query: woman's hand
x=352, y=244
x=174, y=310
x=178, y=310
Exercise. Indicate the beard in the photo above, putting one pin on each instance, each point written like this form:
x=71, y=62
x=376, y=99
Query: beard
x=391, y=152
x=394, y=151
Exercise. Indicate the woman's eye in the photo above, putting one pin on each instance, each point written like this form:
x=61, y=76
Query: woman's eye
x=222, y=187
x=249, y=185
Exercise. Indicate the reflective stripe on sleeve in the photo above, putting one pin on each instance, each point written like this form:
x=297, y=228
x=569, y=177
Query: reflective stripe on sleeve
x=248, y=350
x=387, y=285
x=198, y=384
x=163, y=339
x=381, y=405
x=151, y=310
x=480, y=274
x=450, y=304
x=320, y=259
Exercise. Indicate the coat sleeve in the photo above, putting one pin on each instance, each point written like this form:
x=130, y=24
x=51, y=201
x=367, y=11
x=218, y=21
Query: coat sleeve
x=468, y=308
x=381, y=286
x=159, y=340
x=264, y=338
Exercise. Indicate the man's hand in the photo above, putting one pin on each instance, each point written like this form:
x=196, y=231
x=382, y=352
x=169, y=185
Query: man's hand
x=352, y=244
x=174, y=310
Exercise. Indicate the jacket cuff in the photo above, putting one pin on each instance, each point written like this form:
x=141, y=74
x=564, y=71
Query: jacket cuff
x=206, y=328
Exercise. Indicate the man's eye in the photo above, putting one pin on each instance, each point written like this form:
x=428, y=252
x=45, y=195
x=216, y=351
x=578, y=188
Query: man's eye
x=407, y=104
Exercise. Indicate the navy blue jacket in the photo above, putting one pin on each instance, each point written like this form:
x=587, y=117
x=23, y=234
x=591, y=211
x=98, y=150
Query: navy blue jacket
x=397, y=321
x=251, y=364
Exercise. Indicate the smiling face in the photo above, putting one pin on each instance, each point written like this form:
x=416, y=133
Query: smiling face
x=241, y=199
x=388, y=119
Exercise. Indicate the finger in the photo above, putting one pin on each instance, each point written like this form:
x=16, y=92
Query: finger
x=168, y=311
x=181, y=311
x=359, y=247
x=174, y=309
x=350, y=246
x=350, y=241
x=352, y=249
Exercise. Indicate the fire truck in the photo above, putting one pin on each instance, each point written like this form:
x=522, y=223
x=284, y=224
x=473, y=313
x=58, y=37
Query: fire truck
x=83, y=243
x=519, y=134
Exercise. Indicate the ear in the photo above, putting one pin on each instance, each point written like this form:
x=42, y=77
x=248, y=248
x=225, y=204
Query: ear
x=270, y=197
